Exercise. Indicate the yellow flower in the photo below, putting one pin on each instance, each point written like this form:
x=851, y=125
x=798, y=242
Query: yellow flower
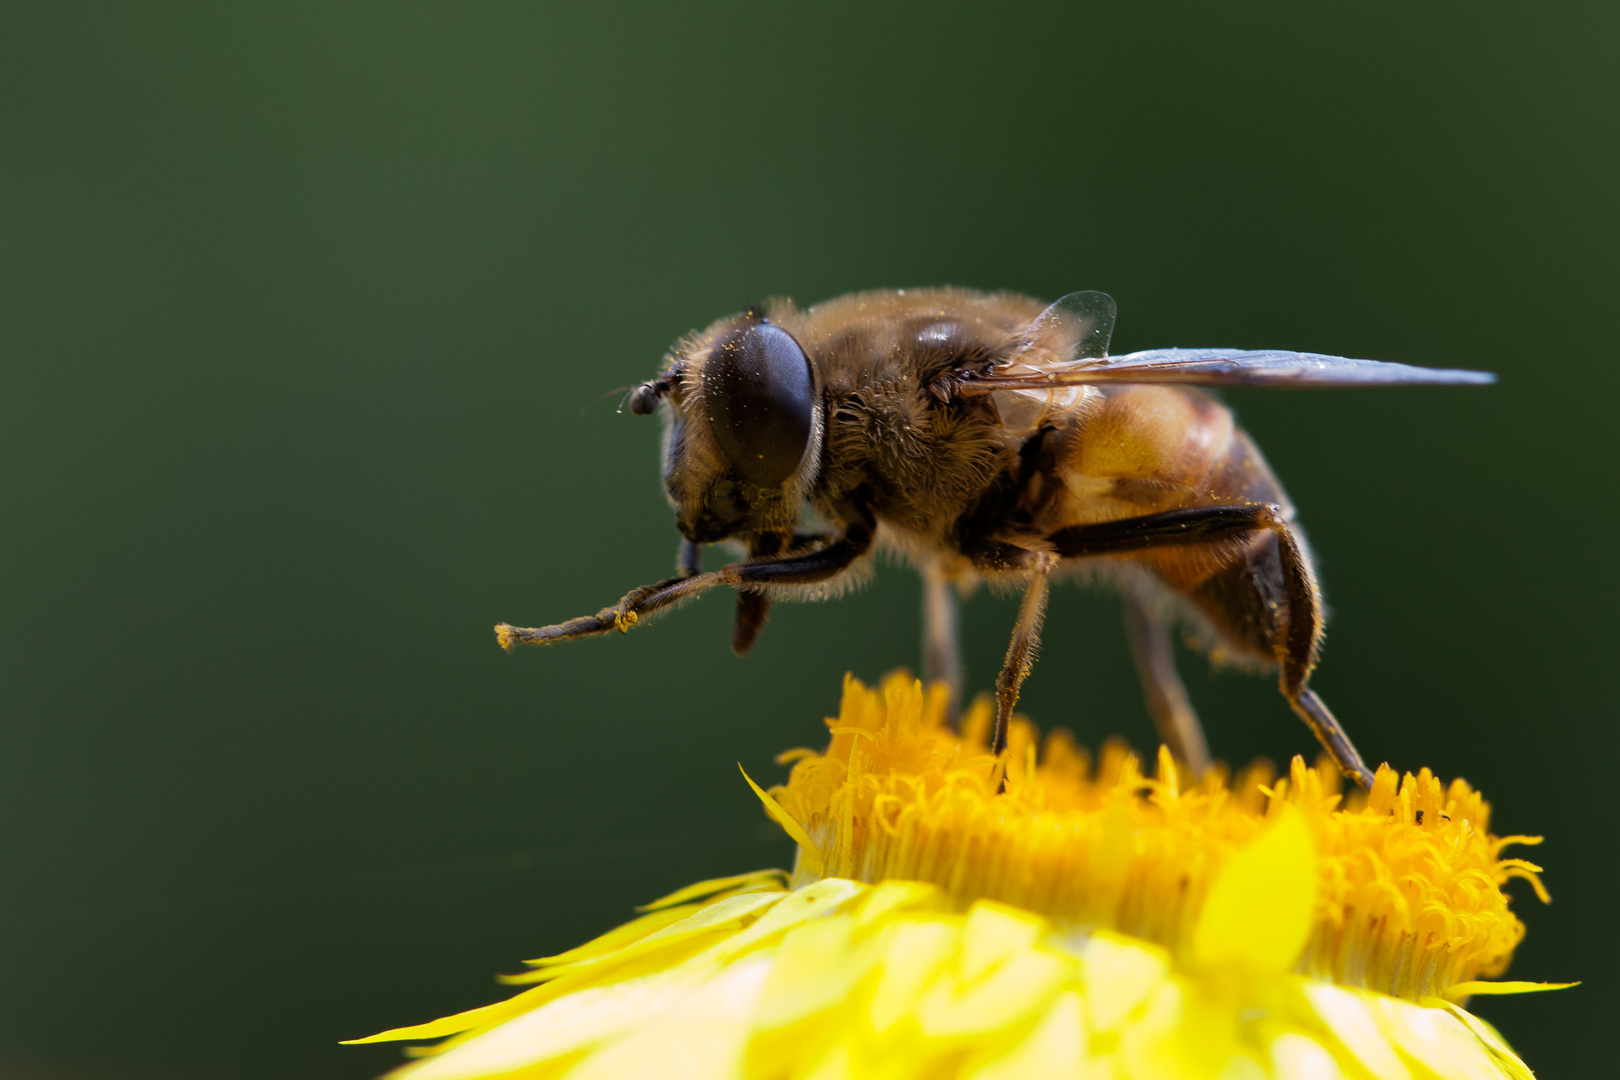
x=1090, y=921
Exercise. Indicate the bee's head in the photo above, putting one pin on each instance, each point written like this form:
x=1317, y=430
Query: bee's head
x=744, y=430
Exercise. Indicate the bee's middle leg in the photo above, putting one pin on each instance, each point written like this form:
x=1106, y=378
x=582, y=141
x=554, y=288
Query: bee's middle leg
x=941, y=645
x=1167, y=700
x=996, y=557
x=753, y=607
x=1021, y=649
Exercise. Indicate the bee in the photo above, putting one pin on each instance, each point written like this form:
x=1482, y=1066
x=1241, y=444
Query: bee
x=988, y=438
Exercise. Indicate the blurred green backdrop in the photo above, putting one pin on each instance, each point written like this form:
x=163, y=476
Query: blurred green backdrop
x=301, y=306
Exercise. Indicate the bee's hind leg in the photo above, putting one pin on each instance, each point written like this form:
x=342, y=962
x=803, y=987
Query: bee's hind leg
x=1296, y=654
x=941, y=646
x=1301, y=612
x=1020, y=655
x=1166, y=695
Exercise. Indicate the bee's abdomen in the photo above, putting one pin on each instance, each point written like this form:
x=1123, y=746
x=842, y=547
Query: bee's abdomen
x=1152, y=449
x=1148, y=449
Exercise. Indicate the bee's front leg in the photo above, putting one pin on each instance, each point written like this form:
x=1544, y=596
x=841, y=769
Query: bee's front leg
x=636, y=605
x=801, y=569
x=809, y=567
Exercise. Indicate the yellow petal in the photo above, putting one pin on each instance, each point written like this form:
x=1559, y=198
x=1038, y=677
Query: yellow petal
x=1243, y=1067
x=1260, y=906
x=1119, y=975
x=1458, y=991
x=1154, y=1045
x=650, y=956
x=1057, y=1047
x=446, y=1025
x=1436, y=1040
x=567, y=1025
x=811, y=853
x=835, y=1065
x=1351, y=1020
x=1505, y=1057
x=617, y=938
x=717, y=885
x=721, y=913
x=915, y=956
x=825, y=897
x=993, y=932
x=683, y=929
x=892, y=896
x=1296, y=1057
x=1020, y=984
x=701, y=1035
x=813, y=972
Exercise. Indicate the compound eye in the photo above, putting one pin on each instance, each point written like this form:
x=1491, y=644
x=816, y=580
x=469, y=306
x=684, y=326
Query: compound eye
x=759, y=395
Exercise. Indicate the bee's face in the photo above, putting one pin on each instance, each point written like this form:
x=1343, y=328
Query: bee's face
x=744, y=429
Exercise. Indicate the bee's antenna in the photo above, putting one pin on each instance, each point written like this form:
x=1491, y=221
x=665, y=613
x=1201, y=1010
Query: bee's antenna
x=644, y=398
x=595, y=401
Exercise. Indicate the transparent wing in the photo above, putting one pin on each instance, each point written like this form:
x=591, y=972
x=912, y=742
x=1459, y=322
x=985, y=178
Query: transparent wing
x=1076, y=327
x=1222, y=367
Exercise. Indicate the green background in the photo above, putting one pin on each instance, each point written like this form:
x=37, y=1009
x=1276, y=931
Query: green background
x=300, y=307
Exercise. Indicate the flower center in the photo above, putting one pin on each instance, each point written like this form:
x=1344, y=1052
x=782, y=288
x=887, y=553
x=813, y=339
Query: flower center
x=1408, y=897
